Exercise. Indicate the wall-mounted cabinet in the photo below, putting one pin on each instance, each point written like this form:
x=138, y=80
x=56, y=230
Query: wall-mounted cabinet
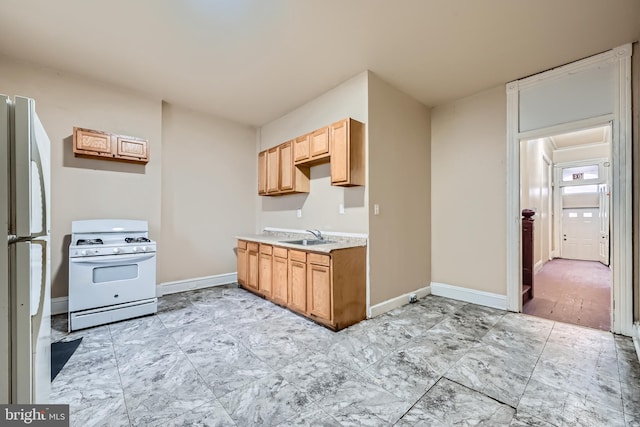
x=328, y=288
x=284, y=169
x=102, y=145
x=277, y=174
x=347, y=153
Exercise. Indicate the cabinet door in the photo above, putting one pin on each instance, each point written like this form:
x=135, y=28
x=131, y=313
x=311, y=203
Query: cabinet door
x=298, y=285
x=280, y=282
x=133, y=149
x=273, y=170
x=340, y=152
x=286, y=166
x=262, y=173
x=252, y=266
x=242, y=262
x=319, y=143
x=301, y=148
x=319, y=288
x=265, y=275
x=90, y=142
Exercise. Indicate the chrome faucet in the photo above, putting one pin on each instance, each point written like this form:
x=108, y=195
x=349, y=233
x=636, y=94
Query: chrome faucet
x=317, y=234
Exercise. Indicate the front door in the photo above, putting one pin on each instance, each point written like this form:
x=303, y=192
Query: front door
x=580, y=234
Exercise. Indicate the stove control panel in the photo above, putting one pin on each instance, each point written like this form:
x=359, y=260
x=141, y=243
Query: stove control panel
x=75, y=252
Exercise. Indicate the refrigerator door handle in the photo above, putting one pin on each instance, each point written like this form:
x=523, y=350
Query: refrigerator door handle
x=37, y=305
x=35, y=158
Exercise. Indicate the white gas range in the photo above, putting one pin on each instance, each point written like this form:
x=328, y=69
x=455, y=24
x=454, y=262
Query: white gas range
x=112, y=272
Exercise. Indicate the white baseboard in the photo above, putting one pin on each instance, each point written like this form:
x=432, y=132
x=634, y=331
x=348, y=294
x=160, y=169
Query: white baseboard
x=538, y=267
x=59, y=305
x=399, y=301
x=197, y=283
x=487, y=299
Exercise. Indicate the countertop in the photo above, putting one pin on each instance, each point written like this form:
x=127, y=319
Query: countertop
x=277, y=238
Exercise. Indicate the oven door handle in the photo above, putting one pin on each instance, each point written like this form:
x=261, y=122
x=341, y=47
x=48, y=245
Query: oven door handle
x=112, y=259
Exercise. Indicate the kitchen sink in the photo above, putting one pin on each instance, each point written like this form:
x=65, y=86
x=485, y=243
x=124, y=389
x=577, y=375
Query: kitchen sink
x=307, y=242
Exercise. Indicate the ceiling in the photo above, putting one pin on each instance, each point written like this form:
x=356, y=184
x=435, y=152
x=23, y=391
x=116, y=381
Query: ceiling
x=252, y=61
x=597, y=135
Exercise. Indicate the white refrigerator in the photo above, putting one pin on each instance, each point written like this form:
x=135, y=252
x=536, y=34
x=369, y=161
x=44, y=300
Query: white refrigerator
x=25, y=271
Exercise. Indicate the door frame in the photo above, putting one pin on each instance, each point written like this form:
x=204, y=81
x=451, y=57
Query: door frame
x=621, y=183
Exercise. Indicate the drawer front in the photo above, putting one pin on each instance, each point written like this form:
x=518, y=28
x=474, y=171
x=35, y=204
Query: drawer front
x=266, y=249
x=297, y=255
x=280, y=252
x=318, y=259
x=252, y=246
x=242, y=244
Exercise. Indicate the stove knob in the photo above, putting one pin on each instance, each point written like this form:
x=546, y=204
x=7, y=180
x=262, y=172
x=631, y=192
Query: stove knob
x=144, y=249
x=83, y=253
x=135, y=249
x=116, y=250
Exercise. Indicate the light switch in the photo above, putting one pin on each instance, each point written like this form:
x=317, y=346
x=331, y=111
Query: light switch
x=376, y=209
x=341, y=208
x=299, y=213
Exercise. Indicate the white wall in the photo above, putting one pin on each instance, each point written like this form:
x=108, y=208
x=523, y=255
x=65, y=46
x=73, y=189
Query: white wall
x=87, y=188
x=197, y=191
x=320, y=205
x=468, y=192
x=535, y=195
x=208, y=185
x=400, y=183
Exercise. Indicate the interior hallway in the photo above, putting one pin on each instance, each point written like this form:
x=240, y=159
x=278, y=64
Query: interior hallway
x=572, y=291
x=225, y=357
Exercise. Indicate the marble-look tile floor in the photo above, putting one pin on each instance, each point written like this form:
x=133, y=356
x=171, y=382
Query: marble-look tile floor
x=224, y=357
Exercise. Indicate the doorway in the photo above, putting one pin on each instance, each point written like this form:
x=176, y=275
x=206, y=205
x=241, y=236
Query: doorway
x=590, y=92
x=564, y=180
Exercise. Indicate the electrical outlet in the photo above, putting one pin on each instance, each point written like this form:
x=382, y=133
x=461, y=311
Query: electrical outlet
x=413, y=298
x=376, y=209
x=341, y=208
x=299, y=213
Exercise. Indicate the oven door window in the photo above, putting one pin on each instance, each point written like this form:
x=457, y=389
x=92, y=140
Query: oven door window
x=115, y=273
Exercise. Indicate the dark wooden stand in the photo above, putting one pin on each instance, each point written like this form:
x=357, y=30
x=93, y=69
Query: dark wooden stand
x=527, y=255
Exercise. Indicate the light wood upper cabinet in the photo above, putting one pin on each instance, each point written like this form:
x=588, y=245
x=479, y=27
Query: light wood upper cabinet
x=262, y=173
x=284, y=169
x=319, y=144
x=301, y=149
x=347, y=153
x=273, y=170
x=92, y=142
x=131, y=148
x=102, y=145
x=277, y=174
x=286, y=166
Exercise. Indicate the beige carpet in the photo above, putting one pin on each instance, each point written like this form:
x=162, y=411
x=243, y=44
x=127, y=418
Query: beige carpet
x=570, y=291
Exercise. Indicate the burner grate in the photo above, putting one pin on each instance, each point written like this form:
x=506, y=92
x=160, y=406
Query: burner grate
x=89, y=242
x=136, y=240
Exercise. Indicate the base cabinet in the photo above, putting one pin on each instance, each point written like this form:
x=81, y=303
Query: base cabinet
x=298, y=281
x=327, y=288
x=265, y=270
x=319, y=298
x=280, y=281
x=252, y=266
